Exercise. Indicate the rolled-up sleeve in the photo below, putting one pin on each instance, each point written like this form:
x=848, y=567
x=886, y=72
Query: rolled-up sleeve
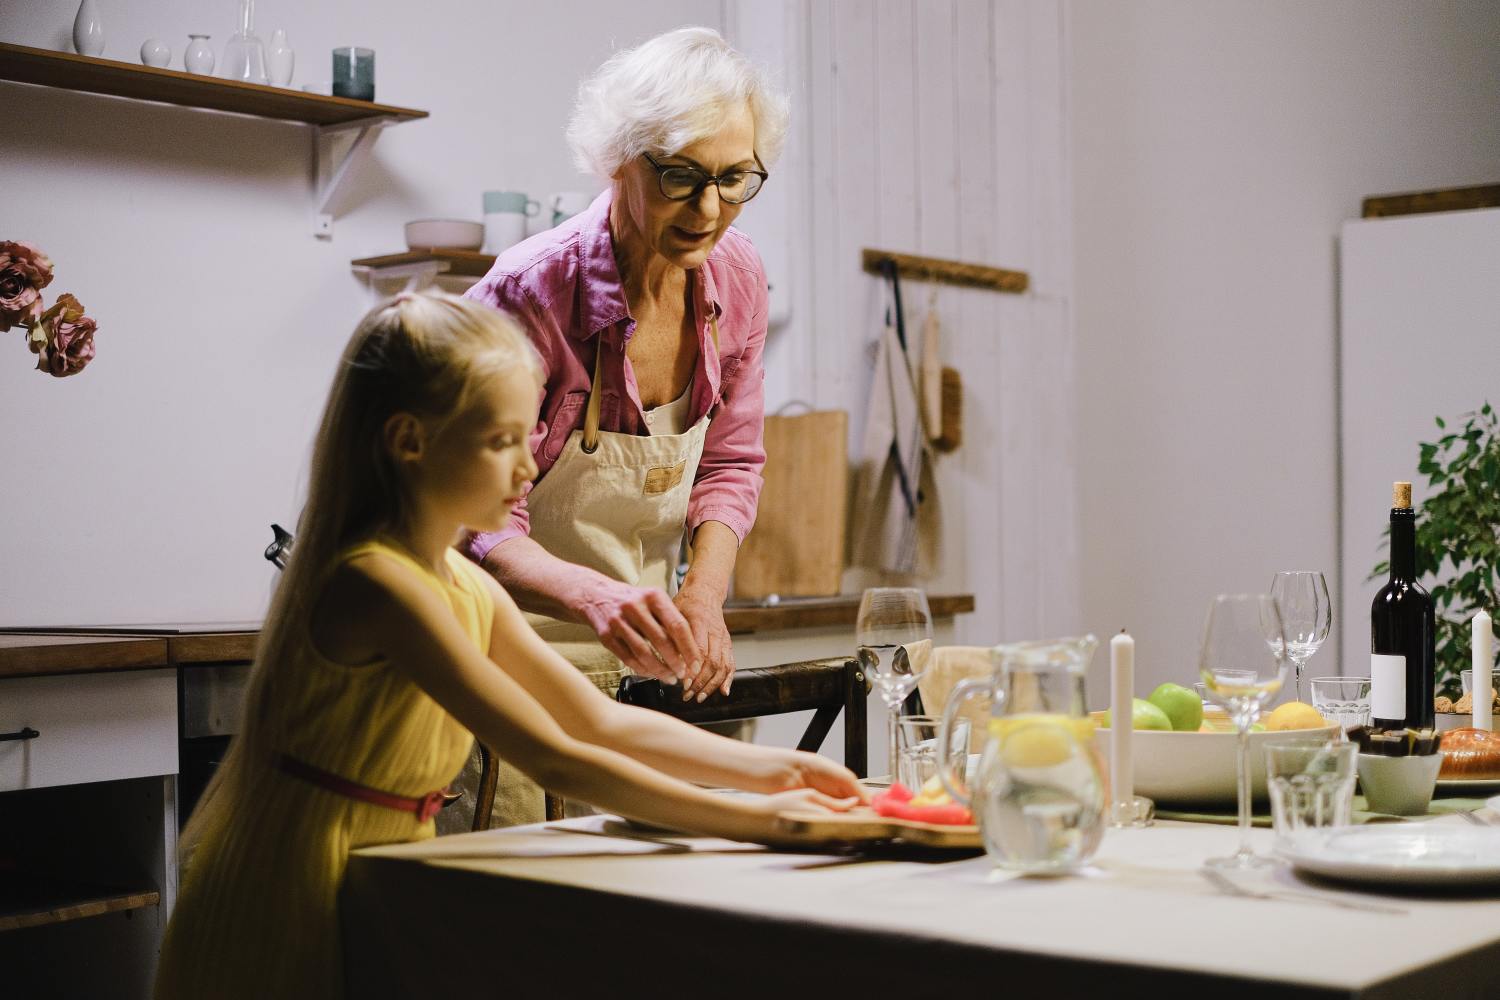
x=727, y=487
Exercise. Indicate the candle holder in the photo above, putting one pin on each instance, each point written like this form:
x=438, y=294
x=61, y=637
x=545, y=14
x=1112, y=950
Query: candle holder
x=1135, y=812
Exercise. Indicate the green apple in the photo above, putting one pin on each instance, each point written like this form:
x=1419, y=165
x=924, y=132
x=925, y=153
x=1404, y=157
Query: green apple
x=1181, y=705
x=1144, y=715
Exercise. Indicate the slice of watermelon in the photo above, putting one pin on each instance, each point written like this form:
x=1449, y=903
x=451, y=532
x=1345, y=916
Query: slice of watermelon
x=895, y=804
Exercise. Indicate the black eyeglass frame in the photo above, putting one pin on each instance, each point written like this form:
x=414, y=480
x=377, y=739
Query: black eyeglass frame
x=706, y=179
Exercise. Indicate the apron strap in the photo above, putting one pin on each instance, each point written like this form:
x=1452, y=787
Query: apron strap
x=591, y=413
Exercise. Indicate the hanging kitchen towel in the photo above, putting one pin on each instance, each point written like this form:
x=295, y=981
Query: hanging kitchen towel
x=894, y=459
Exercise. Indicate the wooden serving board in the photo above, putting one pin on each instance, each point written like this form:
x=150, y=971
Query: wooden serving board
x=865, y=826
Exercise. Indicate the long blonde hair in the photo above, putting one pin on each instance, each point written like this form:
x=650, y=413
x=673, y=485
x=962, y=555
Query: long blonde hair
x=421, y=353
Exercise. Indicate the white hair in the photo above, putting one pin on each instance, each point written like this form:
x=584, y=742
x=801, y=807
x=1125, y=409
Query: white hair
x=668, y=93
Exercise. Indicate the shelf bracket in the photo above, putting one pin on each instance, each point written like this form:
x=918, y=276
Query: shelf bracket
x=418, y=274
x=327, y=193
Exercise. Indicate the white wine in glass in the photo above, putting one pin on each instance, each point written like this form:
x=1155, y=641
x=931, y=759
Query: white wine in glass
x=893, y=640
x=1243, y=662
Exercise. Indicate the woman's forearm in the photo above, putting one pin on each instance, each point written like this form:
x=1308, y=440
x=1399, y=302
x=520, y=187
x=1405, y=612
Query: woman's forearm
x=537, y=580
x=715, y=548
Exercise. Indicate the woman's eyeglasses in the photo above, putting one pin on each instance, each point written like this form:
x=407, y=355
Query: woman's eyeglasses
x=681, y=183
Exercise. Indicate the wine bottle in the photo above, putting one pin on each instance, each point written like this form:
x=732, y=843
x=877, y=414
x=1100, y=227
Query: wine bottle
x=1402, y=637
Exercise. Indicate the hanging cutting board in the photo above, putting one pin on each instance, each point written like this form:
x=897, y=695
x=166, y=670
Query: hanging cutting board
x=796, y=548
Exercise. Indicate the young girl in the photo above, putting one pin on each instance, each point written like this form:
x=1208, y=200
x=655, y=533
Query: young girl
x=385, y=652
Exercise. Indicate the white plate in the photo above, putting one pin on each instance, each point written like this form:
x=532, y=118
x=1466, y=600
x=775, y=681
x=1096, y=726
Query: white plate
x=1406, y=854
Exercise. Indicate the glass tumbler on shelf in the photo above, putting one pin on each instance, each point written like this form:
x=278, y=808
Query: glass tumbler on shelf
x=1243, y=662
x=917, y=753
x=893, y=641
x=244, y=53
x=354, y=73
x=1306, y=613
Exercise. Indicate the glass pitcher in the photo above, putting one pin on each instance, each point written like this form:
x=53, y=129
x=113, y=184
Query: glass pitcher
x=1039, y=793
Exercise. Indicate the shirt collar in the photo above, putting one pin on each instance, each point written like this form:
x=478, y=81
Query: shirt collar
x=603, y=289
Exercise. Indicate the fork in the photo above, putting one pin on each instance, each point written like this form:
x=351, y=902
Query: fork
x=1229, y=885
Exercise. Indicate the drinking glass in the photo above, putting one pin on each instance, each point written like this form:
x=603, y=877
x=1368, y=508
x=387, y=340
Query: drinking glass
x=893, y=640
x=917, y=754
x=1311, y=785
x=1305, y=612
x=1345, y=700
x=1243, y=662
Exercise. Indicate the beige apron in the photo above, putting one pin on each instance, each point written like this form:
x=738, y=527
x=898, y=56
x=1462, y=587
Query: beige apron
x=616, y=503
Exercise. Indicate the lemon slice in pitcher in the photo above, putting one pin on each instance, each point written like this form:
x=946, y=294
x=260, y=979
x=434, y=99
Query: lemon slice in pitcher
x=1042, y=740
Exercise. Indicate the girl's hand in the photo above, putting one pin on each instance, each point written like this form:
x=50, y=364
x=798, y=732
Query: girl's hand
x=796, y=769
x=805, y=800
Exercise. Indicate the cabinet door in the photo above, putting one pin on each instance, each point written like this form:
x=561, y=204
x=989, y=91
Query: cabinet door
x=91, y=727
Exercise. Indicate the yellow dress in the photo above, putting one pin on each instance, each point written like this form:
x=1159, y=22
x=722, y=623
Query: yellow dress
x=257, y=915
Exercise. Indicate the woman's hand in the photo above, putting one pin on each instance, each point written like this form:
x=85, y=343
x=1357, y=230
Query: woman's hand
x=644, y=629
x=706, y=619
x=796, y=769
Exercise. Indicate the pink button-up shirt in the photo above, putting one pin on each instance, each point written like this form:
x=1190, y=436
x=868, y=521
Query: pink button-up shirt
x=564, y=287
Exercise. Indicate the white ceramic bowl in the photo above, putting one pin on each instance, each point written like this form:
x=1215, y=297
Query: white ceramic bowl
x=453, y=234
x=1198, y=769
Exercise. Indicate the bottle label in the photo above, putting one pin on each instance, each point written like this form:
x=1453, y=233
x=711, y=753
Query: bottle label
x=1387, y=686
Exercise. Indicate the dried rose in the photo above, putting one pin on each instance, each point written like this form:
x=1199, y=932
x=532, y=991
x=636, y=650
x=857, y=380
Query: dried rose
x=69, y=338
x=24, y=272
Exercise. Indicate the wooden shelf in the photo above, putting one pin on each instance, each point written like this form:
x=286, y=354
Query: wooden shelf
x=64, y=70
x=1446, y=200
x=439, y=260
x=950, y=272
x=33, y=902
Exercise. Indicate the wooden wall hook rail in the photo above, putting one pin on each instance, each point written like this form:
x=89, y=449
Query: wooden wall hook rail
x=951, y=272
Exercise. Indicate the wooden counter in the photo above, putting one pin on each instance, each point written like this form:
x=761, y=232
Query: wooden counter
x=38, y=653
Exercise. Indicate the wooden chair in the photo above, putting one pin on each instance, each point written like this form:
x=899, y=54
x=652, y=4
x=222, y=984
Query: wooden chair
x=826, y=687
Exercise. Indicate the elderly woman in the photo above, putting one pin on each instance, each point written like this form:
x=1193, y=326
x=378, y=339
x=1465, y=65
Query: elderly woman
x=649, y=313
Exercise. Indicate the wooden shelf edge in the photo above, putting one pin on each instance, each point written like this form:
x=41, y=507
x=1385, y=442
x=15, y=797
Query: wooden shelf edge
x=460, y=263
x=824, y=612
x=74, y=903
x=1422, y=202
x=111, y=77
x=949, y=272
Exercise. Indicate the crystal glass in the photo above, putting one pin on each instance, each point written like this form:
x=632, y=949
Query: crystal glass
x=1311, y=785
x=1345, y=700
x=1305, y=612
x=1243, y=662
x=893, y=640
x=245, y=53
x=917, y=750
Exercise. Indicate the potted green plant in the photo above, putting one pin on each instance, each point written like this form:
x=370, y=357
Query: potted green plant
x=1458, y=535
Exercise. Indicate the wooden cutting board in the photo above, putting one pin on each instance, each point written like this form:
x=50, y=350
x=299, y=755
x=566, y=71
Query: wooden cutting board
x=865, y=826
x=796, y=548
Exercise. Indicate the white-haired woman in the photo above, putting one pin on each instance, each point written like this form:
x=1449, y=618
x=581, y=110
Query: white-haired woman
x=649, y=313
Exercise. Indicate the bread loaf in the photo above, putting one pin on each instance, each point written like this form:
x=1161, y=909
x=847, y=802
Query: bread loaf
x=1470, y=753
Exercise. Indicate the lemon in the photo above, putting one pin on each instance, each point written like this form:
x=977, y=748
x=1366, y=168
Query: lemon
x=1294, y=715
x=1040, y=740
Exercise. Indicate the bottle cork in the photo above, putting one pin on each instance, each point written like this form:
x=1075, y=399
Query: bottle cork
x=1401, y=495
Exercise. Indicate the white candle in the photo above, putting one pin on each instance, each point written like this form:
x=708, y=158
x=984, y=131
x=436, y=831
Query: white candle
x=1482, y=662
x=1121, y=717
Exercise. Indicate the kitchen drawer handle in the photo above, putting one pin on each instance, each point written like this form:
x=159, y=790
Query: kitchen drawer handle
x=25, y=733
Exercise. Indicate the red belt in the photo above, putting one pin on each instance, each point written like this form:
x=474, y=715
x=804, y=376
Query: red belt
x=424, y=807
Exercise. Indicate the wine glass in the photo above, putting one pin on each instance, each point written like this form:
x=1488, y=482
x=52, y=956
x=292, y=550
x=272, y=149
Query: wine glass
x=1306, y=613
x=893, y=639
x=1243, y=661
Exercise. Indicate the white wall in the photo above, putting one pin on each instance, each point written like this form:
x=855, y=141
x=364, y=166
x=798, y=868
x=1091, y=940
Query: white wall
x=148, y=483
x=1218, y=147
x=142, y=489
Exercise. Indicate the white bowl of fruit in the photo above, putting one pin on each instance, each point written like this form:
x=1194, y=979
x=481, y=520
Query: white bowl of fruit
x=1184, y=751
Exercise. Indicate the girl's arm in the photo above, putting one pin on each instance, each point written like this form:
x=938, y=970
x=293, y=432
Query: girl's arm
x=654, y=739
x=408, y=623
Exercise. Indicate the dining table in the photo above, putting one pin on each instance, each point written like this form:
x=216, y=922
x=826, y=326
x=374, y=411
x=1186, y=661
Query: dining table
x=597, y=903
